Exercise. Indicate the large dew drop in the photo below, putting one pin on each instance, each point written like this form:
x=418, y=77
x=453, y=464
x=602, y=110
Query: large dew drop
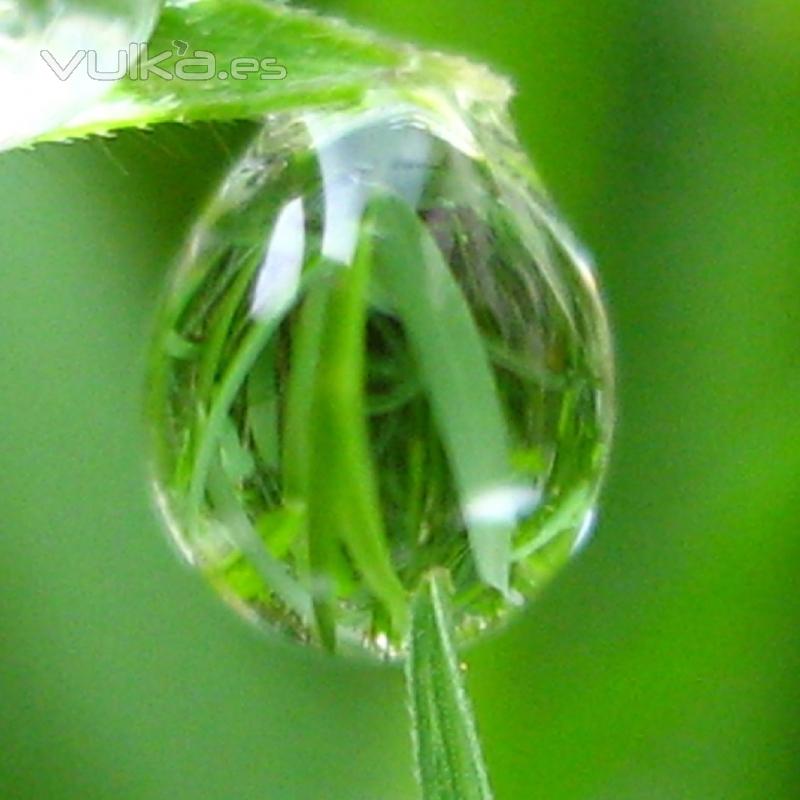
x=381, y=354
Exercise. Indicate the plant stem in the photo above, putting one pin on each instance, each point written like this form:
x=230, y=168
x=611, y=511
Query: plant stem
x=450, y=764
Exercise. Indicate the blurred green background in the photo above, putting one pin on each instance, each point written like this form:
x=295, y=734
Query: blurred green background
x=663, y=664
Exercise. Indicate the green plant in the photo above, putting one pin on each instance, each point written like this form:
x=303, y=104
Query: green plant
x=382, y=427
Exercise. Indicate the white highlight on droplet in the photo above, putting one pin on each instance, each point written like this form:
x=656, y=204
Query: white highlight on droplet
x=377, y=150
x=279, y=277
x=502, y=505
x=585, y=532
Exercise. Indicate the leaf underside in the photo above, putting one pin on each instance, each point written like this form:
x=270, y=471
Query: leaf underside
x=326, y=62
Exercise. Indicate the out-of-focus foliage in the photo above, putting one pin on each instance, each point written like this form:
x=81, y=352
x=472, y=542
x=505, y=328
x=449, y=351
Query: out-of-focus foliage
x=41, y=37
x=662, y=665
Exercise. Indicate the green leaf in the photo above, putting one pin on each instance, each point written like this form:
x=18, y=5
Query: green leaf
x=307, y=333
x=325, y=61
x=273, y=572
x=280, y=528
x=230, y=384
x=449, y=760
x=455, y=369
x=343, y=499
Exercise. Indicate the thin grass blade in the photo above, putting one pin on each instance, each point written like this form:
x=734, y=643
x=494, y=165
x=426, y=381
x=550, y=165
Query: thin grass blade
x=450, y=764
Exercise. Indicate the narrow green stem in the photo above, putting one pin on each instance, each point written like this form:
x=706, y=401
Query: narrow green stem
x=450, y=764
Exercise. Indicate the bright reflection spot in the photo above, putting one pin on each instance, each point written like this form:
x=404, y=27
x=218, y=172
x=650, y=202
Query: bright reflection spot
x=279, y=277
x=359, y=153
x=502, y=505
x=585, y=532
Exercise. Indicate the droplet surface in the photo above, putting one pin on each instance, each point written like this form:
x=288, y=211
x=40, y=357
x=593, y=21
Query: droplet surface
x=52, y=53
x=381, y=354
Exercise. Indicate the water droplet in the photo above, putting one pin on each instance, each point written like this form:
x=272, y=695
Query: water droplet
x=381, y=353
x=46, y=49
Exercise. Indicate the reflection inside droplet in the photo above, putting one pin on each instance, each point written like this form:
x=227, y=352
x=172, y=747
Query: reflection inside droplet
x=380, y=355
x=502, y=505
x=278, y=279
x=362, y=154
